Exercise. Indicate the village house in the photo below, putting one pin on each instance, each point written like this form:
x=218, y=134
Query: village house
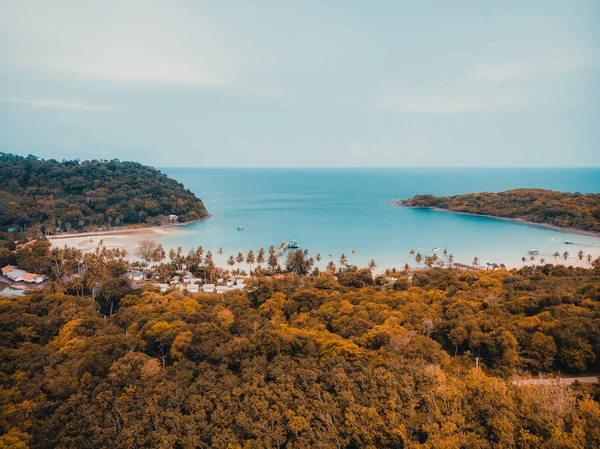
x=33, y=278
x=16, y=275
x=208, y=288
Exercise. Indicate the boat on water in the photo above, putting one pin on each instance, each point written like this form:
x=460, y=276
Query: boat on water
x=294, y=244
x=533, y=252
x=240, y=228
x=568, y=242
x=435, y=249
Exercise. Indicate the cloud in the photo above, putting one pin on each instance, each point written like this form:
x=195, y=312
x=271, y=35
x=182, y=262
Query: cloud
x=482, y=87
x=69, y=105
x=164, y=43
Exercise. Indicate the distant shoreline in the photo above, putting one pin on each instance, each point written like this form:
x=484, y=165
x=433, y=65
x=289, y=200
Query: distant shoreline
x=143, y=229
x=402, y=203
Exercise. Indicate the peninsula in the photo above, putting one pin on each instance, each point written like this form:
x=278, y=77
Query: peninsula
x=562, y=210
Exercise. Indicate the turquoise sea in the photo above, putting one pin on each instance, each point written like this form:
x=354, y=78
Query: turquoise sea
x=335, y=211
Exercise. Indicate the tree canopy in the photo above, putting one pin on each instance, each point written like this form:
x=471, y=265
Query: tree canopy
x=300, y=361
x=90, y=194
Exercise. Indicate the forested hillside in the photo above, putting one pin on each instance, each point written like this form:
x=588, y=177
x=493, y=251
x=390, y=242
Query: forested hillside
x=332, y=360
x=575, y=210
x=85, y=195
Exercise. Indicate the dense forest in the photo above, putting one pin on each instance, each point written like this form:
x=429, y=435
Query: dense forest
x=73, y=195
x=336, y=359
x=574, y=210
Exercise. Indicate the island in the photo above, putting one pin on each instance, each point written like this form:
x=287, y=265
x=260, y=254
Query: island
x=562, y=210
x=75, y=196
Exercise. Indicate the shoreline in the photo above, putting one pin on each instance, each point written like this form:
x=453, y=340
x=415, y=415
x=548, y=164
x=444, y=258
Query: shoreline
x=125, y=231
x=401, y=203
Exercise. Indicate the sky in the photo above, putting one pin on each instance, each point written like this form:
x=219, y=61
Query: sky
x=303, y=83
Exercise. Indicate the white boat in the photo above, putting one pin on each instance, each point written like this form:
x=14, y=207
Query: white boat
x=534, y=252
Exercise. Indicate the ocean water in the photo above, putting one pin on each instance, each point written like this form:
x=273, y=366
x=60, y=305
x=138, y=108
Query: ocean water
x=336, y=211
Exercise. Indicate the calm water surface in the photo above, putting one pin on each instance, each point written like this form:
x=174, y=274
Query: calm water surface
x=335, y=211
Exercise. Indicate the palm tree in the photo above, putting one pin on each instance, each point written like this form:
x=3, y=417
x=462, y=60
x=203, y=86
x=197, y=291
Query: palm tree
x=411, y=252
x=580, y=255
x=239, y=259
x=566, y=255
x=589, y=258
x=450, y=259
x=273, y=262
x=523, y=259
x=220, y=252
x=372, y=265
x=260, y=258
x=475, y=261
x=418, y=258
x=406, y=268
x=542, y=261
x=208, y=261
x=556, y=255
x=271, y=250
x=318, y=257
x=231, y=261
x=343, y=260
x=250, y=259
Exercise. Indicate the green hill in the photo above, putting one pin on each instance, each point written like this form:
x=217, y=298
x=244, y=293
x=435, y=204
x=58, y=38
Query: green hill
x=73, y=195
x=568, y=210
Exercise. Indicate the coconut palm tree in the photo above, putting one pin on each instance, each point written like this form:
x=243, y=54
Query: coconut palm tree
x=418, y=258
x=220, y=252
x=372, y=265
x=542, y=261
x=273, y=262
x=565, y=255
x=524, y=260
x=318, y=257
x=406, y=268
x=343, y=260
x=475, y=261
x=580, y=255
x=450, y=259
x=411, y=252
x=231, y=261
x=239, y=259
x=260, y=258
x=589, y=258
x=556, y=255
x=250, y=259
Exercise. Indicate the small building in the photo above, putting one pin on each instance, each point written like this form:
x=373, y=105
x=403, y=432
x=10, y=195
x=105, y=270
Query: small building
x=163, y=287
x=208, y=288
x=230, y=282
x=174, y=279
x=173, y=218
x=135, y=275
x=188, y=278
x=241, y=285
x=33, y=278
x=193, y=288
x=13, y=273
x=222, y=289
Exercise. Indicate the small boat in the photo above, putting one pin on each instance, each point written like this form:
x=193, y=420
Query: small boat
x=240, y=228
x=435, y=249
x=283, y=245
x=294, y=244
x=568, y=242
x=533, y=252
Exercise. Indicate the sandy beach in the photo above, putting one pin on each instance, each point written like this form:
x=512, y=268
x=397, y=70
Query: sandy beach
x=126, y=239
